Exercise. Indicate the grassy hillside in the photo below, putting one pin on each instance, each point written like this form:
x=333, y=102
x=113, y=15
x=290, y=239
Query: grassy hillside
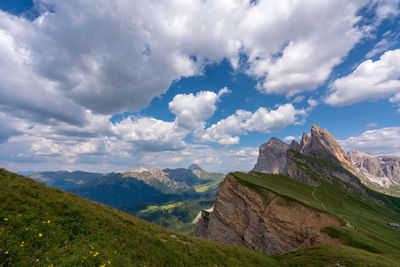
x=45, y=226
x=364, y=218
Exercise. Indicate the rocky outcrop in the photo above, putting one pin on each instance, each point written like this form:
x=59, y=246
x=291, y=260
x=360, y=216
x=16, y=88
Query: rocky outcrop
x=381, y=170
x=272, y=157
x=267, y=222
x=330, y=159
x=322, y=145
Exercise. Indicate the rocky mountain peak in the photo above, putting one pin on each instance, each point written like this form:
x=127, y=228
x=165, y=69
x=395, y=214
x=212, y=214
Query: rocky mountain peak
x=321, y=144
x=272, y=157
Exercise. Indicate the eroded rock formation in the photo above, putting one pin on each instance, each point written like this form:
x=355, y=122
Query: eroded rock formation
x=267, y=222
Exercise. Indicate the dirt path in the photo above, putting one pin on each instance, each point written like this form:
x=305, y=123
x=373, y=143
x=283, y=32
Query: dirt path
x=312, y=193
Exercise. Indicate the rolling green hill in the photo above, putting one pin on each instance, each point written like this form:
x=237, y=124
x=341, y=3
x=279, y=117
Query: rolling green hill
x=46, y=226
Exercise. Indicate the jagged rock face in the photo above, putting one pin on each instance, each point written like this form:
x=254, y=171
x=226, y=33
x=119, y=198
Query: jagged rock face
x=382, y=170
x=242, y=217
x=272, y=157
x=324, y=171
x=323, y=145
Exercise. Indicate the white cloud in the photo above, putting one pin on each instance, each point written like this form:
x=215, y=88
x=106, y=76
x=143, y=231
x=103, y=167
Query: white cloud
x=293, y=46
x=291, y=138
x=369, y=81
x=114, y=57
x=382, y=141
x=192, y=110
x=69, y=71
x=242, y=122
x=151, y=134
x=371, y=124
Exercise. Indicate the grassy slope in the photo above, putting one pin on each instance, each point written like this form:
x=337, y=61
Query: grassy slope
x=75, y=231
x=375, y=239
x=176, y=216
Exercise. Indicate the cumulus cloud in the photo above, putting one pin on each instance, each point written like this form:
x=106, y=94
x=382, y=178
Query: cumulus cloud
x=151, y=134
x=114, y=57
x=77, y=64
x=380, y=141
x=262, y=120
x=293, y=46
x=371, y=80
x=192, y=110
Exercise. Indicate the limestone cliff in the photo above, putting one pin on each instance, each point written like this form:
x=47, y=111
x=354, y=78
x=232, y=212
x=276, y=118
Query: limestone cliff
x=272, y=157
x=267, y=222
x=381, y=170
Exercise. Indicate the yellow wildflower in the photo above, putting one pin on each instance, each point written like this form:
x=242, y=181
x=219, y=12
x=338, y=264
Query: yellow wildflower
x=44, y=222
x=26, y=229
x=103, y=265
x=48, y=221
x=37, y=260
x=40, y=235
x=5, y=219
x=6, y=252
x=108, y=262
x=96, y=254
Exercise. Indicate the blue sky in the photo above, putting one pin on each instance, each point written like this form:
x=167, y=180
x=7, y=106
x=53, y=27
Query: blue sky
x=137, y=83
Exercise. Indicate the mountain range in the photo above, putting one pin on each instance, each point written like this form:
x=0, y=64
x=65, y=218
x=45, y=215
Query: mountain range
x=168, y=197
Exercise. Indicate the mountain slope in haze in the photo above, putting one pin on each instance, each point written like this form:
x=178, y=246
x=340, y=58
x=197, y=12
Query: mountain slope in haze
x=379, y=172
x=64, y=180
x=319, y=202
x=45, y=226
x=117, y=191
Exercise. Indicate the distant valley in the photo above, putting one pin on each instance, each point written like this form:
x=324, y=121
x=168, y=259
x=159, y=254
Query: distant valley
x=168, y=197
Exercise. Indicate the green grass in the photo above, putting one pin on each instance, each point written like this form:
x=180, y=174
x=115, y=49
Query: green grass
x=73, y=230
x=364, y=212
x=201, y=188
x=170, y=206
x=334, y=255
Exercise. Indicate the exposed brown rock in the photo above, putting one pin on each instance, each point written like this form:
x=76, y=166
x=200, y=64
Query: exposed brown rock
x=270, y=223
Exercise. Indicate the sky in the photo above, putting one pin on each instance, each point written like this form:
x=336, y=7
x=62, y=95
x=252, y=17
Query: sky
x=124, y=84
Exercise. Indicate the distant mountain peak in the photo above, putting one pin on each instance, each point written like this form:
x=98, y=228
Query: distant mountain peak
x=194, y=167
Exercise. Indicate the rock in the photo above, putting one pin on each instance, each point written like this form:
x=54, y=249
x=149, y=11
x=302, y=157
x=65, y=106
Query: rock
x=295, y=146
x=272, y=157
x=322, y=145
x=242, y=217
x=381, y=170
